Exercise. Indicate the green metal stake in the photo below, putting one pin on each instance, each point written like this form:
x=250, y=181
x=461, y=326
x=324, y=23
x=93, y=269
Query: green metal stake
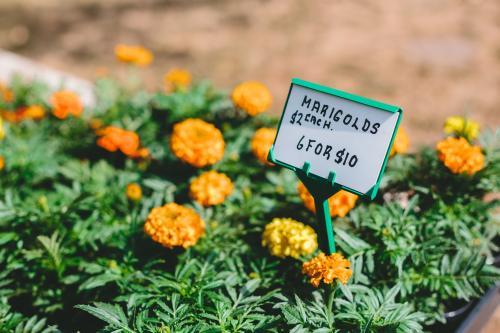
x=327, y=237
x=321, y=190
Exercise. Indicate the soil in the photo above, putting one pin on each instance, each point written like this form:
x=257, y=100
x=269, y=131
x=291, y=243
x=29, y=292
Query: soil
x=433, y=58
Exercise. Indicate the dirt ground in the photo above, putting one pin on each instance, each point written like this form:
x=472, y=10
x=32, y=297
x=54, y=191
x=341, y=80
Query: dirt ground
x=433, y=58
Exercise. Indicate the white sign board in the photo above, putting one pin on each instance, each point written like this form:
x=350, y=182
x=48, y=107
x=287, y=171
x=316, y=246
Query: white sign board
x=349, y=136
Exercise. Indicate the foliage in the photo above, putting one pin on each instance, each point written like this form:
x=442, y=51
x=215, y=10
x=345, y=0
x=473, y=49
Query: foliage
x=74, y=255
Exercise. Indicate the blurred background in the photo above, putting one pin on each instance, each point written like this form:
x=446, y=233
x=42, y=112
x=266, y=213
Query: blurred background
x=433, y=58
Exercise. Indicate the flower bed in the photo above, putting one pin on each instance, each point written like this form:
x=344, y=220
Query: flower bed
x=158, y=212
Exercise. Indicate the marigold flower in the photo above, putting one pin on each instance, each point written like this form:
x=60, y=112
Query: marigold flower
x=461, y=126
x=114, y=138
x=261, y=143
x=35, y=112
x=327, y=269
x=2, y=163
x=197, y=142
x=174, y=225
x=133, y=54
x=285, y=237
x=253, y=97
x=141, y=153
x=458, y=155
x=11, y=116
x=6, y=94
x=340, y=203
x=133, y=192
x=128, y=142
x=177, y=78
x=210, y=188
x=65, y=103
x=401, y=142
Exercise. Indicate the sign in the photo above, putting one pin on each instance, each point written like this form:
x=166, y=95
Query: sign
x=339, y=136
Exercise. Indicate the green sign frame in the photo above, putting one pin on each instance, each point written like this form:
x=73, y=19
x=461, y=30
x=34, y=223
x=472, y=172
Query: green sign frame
x=355, y=98
x=320, y=188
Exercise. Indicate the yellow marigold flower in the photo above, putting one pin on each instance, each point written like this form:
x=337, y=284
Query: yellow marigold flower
x=133, y=192
x=327, y=269
x=133, y=54
x=2, y=163
x=461, y=126
x=6, y=95
x=285, y=237
x=35, y=112
x=340, y=203
x=253, y=97
x=65, y=103
x=210, y=188
x=458, y=155
x=401, y=142
x=261, y=143
x=177, y=78
x=174, y=225
x=197, y=142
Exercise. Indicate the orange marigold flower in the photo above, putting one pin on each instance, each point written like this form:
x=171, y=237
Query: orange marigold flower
x=6, y=95
x=401, y=142
x=458, y=155
x=197, y=142
x=128, y=142
x=141, y=153
x=327, y=269
x=177, y=78
x=13, y=116
x=174, y=225
x=65, y=103
x=340, y=203
x=114, y=138
x=253, y=97
x=210, y=188
x=2, y=163
x=8, y=116
x=133, y=54
x=35, y=112
x=261, y=143
x=133, y=192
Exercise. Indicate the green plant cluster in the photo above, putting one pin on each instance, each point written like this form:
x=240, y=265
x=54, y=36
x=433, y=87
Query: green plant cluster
x=74, y=256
